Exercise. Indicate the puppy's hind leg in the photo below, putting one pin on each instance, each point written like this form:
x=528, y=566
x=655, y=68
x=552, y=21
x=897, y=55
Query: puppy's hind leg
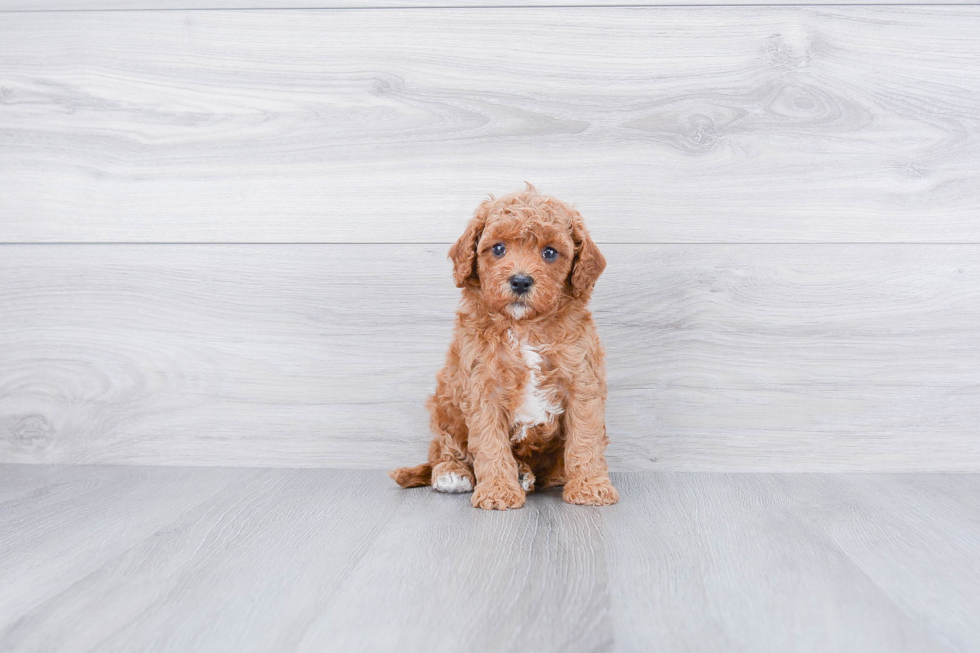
x=412, y=476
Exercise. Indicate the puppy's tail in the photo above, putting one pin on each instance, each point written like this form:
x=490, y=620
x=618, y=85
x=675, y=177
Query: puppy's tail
x=413, y=476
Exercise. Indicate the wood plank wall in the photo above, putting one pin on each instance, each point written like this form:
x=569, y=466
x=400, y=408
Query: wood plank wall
x=130, y=5
x=223, y=232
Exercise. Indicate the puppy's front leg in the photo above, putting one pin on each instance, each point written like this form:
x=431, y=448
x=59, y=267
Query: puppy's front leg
x=497, y=487
x=586, y=472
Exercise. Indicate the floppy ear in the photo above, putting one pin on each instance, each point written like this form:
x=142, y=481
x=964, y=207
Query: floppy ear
x=588, y=263
x=463, y=252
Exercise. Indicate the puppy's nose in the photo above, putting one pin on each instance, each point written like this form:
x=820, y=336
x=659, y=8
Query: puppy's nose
x=521, y=283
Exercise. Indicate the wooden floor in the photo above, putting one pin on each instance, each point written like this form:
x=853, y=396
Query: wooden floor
x=206, y=559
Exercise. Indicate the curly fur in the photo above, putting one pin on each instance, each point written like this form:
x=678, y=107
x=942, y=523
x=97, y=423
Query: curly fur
x=520, y=402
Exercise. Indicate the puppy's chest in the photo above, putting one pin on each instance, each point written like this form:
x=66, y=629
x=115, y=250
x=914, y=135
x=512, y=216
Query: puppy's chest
x=538, y=402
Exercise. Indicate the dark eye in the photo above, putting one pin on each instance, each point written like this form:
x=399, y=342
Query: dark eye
x=499, y=249
x=550, y=254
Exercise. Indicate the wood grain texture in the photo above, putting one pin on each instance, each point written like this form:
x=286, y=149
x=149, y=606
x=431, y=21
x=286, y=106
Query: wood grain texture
x=44, y=543
x=717, y=559
x=671, y=124
x=444, y=573
x=23, y=480
x=913, y=537
x=331, y=560
x=737, y=357
x=102, y=5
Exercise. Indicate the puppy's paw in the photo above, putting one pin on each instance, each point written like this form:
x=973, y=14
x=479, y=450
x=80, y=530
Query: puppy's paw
x=525, y=476
x=452, y=482
x=498, y=494
x=527, y=480
x=591, y=492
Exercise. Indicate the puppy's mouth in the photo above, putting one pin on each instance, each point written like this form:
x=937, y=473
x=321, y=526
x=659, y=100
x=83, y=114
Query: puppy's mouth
x=517, y=310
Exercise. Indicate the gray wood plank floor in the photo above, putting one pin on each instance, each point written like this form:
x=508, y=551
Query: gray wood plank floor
x=206, y=559
x=98, y=5
x=666, y=124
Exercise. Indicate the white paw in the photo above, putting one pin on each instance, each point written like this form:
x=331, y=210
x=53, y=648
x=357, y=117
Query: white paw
x=526, y=480
x=452, y=482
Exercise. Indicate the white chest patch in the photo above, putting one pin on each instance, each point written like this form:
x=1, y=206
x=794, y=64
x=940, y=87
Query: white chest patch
x=540, y=405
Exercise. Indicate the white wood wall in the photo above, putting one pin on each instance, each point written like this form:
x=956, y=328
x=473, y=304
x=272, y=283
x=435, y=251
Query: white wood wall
x=223, y=232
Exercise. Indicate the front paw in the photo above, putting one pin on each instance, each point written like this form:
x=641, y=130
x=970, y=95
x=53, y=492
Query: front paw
x=591, y=492
x=498, y=494
x=525, y=476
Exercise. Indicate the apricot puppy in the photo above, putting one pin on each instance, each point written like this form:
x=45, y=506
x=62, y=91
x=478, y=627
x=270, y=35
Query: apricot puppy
x=521, y=400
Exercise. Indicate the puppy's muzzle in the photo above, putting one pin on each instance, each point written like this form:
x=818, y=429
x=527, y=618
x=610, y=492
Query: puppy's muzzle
x=521, y=284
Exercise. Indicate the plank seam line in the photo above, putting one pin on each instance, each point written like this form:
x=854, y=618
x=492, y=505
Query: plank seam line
x=449, y=243
x=616, y=6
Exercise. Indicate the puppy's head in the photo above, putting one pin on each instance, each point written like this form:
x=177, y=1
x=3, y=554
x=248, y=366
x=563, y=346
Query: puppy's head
x=524, y=252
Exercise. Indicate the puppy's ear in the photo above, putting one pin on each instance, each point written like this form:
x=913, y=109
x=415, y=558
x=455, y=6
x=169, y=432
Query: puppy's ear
x=463, y=252
x=588, y=263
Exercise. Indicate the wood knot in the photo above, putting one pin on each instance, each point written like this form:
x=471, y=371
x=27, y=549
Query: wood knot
x=699, y=133
x=789, y=50
x=33, y=432
x=914, y=171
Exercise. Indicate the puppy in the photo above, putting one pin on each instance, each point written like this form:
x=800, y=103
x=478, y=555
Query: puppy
x=520, y=403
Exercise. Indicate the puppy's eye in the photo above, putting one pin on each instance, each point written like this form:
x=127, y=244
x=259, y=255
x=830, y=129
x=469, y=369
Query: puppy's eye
x=499, y=249
x=550, y=254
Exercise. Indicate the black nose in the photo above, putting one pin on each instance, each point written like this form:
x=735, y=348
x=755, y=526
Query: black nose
x=521, y=283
